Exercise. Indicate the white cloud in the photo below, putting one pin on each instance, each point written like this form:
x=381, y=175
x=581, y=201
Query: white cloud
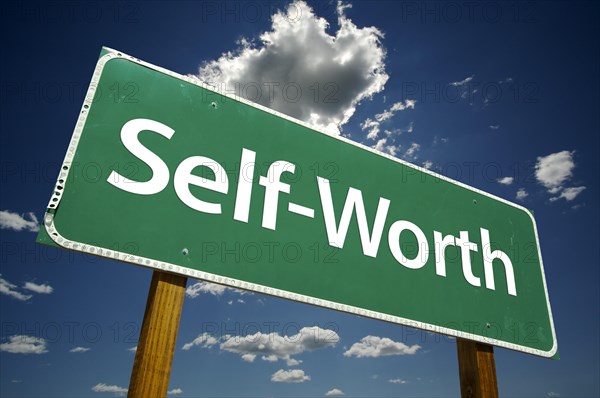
x=554, y=170
x=374, y=347
x=79, y=349
x=299, y=69
x=101, y=387
x=21, y=344
x=389, y=149
x=199, y=288
x=374, y=126
x=428, y=164
x=569, y=194
x=411, y=152
x=462, y=82
x=41, y=289
x=336, y=392
x=494, y=126
x=289, y=376
x=553, y=394
x=506, y=180
x=271, y=347
x=14, y=221
x=204, y=340
x=522, y=194
x=398, y=381
x=175, y=391
x=132, y=349
x=11, y=290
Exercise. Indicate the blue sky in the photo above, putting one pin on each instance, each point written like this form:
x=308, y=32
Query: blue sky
x=501, y=96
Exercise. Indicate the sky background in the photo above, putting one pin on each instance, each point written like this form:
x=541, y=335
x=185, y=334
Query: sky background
x=501, y=96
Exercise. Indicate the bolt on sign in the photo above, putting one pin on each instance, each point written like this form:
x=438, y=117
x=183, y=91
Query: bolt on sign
x=164, y=172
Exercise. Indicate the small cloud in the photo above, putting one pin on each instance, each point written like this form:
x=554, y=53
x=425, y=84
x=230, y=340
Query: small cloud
x=373, y=126
x=553, y=394
x=289, y=376
x=16, y=381
x=79, y=349
x=382, y=147
x=22, y=344
x=506, y=180
x=101, y=387
x=569, y=194
x=41, y=289
x=463, y=81
x=494, y=126
x=522, y=194
x=554, y=170
x=293, y=362
x=132, y=349
x=428, y=164
x=204, y=340
x=175, y=391
x=374, y=347
x=336, y=392
x=10, y=289
x=507, y=80
x=398, y=381
x=16, y=222
x=411, y=152
x=199, y=288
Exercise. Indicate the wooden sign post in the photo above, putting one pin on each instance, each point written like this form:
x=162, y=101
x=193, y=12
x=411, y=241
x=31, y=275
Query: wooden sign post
x=477, y=370
x=156, y=346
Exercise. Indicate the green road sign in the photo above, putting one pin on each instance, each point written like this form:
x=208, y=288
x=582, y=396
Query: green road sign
x=164, y=172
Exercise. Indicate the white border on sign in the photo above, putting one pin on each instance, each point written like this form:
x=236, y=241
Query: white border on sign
x=176, y=269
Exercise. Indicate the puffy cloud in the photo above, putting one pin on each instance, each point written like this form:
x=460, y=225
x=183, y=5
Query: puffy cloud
x=336, y=392
x=175, y=391
x=270, y=347
x=428, y=164
x=411, y=152
x=10, y=289
x=205, y=340
x=568, y=194
x=506, y=180
x=41, y=289
x=289, y=376
x=22, y=344
x=79, y=349
x=101, y=387
x=17, y=222
x=494, y=126
x=554, y=170
x=398, y=381
x=390, y=149
x=374, y=347
x=301, y=70
x=132, y=349
x=522, y=194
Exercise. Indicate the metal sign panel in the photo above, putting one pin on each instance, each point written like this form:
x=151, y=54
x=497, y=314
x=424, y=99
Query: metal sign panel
x=164, y=172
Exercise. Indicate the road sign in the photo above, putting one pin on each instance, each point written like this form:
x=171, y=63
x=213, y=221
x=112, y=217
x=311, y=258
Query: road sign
x=164, y=172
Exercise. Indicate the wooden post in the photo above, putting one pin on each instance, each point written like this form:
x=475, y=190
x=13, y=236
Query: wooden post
x=156, y=346
x=477, y=370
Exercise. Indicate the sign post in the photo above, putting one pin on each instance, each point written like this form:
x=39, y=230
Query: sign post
x=294, y=212
x=477, y=370
x=156, y=345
